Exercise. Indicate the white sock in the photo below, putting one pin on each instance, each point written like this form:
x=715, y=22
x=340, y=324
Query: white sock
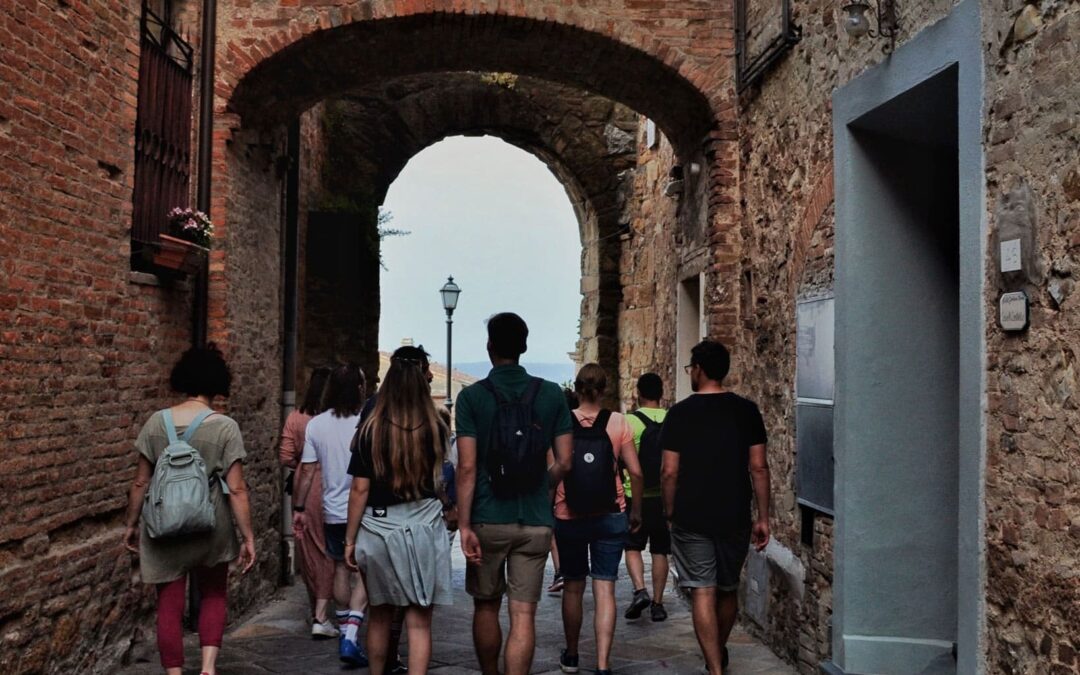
x=352, y=625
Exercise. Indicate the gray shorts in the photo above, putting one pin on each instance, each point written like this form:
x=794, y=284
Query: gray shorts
x=704, y=561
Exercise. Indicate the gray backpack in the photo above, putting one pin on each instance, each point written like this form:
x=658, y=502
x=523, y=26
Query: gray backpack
x=178, y=501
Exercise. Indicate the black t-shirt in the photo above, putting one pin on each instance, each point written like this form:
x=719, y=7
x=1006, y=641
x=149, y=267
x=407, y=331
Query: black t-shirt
x=382, y=491
x=712, y=434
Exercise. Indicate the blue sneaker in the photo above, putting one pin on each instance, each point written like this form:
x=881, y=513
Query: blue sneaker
x=567, y=663
x=352, y=654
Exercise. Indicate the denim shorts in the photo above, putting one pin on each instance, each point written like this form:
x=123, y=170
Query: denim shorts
x=591, y=546
x=335, y=540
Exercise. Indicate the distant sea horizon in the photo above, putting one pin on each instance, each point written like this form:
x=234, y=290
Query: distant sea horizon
x=558, y=373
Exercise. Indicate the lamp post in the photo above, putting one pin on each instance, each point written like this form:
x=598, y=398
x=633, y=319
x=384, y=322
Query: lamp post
x=450, y=292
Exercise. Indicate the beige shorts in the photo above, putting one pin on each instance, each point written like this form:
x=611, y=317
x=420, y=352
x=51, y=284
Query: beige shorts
x=514, y=559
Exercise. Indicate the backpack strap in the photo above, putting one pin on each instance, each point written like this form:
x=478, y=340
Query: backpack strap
x=531, y=391
x=645, y=419
x=170, y=428
x=602, y=420
x=486, y=383
x=600, y=423
x=194, y=426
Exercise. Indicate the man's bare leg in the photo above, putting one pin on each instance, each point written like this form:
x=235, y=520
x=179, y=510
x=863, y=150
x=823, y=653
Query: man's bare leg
x=706, y=628
x=727, y=607
x=487, y=634
x=635, y=567
x=521, y=644
x=659, y=576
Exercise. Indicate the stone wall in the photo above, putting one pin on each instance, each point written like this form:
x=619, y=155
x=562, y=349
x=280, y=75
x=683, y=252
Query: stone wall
x=339, y=252
x=246, y=321
x=651, y=265
x=786, y=193
x=1032, y=523
x=1033, y=455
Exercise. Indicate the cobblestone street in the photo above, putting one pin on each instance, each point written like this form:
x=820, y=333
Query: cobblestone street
x=275, y=640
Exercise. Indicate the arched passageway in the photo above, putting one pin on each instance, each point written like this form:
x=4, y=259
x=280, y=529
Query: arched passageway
x=587, y=141
x=618, y=112
x=269, y=79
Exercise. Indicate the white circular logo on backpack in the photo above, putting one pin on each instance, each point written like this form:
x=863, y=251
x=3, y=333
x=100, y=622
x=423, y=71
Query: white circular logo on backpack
x=589, y=458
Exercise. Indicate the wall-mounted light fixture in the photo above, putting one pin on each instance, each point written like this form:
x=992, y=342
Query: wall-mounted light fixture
x=675, y=183
x=857, y=24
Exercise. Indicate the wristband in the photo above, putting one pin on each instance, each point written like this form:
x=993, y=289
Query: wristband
x=297, y=508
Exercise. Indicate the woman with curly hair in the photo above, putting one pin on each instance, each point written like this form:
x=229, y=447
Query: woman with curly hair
x=200, y=375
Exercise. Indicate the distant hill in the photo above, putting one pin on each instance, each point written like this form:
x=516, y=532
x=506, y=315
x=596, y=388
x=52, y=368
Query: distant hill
x=556, y=372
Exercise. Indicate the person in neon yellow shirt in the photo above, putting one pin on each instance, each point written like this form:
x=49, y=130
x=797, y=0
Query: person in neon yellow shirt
x=645, y=424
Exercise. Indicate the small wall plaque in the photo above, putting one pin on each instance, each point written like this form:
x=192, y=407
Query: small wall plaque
x=1013, y=311
x=1010, y=256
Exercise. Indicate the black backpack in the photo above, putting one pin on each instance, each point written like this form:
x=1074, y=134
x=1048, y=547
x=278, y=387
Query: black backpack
x=590, y=485
x=650, y=454
x=517, y=451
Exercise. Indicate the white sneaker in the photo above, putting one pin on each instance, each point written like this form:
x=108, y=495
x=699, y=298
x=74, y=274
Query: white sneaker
x=324, y=630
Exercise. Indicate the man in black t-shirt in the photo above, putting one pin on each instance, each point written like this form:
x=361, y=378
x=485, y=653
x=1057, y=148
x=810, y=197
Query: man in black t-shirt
x=714, y=462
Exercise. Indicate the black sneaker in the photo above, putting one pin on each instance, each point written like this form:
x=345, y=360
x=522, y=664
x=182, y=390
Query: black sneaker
x=399, y=667
x=638, y=604
x=567, y=663
x=658, y=612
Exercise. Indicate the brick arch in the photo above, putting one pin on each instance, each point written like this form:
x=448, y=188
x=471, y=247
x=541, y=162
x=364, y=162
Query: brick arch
x=585, y=140
x=319, y=53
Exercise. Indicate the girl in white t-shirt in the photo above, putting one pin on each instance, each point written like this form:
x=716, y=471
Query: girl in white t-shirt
x=326, y=443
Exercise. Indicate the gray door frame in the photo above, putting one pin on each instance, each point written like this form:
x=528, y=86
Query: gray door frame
x=954, y=41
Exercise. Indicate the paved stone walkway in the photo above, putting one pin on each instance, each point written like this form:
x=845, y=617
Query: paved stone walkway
x=275, y=640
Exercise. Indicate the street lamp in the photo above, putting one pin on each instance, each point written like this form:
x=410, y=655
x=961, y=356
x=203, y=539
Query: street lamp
x=450, y=292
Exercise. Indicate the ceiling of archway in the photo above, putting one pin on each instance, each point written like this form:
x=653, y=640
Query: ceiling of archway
x=587, y=140
x=332, y=63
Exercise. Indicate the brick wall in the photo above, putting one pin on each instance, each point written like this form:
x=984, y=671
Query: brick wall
x=85, y=346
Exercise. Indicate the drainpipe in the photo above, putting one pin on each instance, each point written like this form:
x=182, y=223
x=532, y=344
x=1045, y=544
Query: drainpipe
x=291, y=321
x=200, y=301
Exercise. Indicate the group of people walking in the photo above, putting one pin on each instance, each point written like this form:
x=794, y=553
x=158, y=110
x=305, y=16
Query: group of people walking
x=381, y=483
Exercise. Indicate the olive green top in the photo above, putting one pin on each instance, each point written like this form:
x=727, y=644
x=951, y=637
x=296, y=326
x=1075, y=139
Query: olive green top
x=219, y=442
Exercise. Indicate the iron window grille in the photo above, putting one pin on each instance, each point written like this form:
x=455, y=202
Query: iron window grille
x=162, y=130
x=749, y=68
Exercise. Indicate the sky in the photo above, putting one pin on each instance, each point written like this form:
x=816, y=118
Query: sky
x=497, y=219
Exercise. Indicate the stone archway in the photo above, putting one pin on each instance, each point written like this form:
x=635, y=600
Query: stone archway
x=277, y=61
x=313, y=53
x=586, y=140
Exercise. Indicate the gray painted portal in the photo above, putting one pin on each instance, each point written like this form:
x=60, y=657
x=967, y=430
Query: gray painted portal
x=909, y=551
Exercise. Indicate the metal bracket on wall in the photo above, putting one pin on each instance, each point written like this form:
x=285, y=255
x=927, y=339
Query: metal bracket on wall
x=750, y=68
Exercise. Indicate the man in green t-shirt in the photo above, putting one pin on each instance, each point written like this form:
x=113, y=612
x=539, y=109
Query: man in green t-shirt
x=506, y=540
x=654, y=531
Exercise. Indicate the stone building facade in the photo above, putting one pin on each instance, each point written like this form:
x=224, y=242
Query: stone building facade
x=704, y=211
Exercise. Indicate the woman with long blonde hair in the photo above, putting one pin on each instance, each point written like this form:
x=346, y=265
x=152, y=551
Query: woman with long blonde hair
x=403, y=548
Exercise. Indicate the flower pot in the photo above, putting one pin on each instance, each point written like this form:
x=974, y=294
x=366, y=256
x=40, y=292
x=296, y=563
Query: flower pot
x=178, y=255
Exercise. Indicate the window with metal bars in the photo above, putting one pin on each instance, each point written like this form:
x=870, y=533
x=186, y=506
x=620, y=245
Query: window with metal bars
x=162, y=129
x=764, y=32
